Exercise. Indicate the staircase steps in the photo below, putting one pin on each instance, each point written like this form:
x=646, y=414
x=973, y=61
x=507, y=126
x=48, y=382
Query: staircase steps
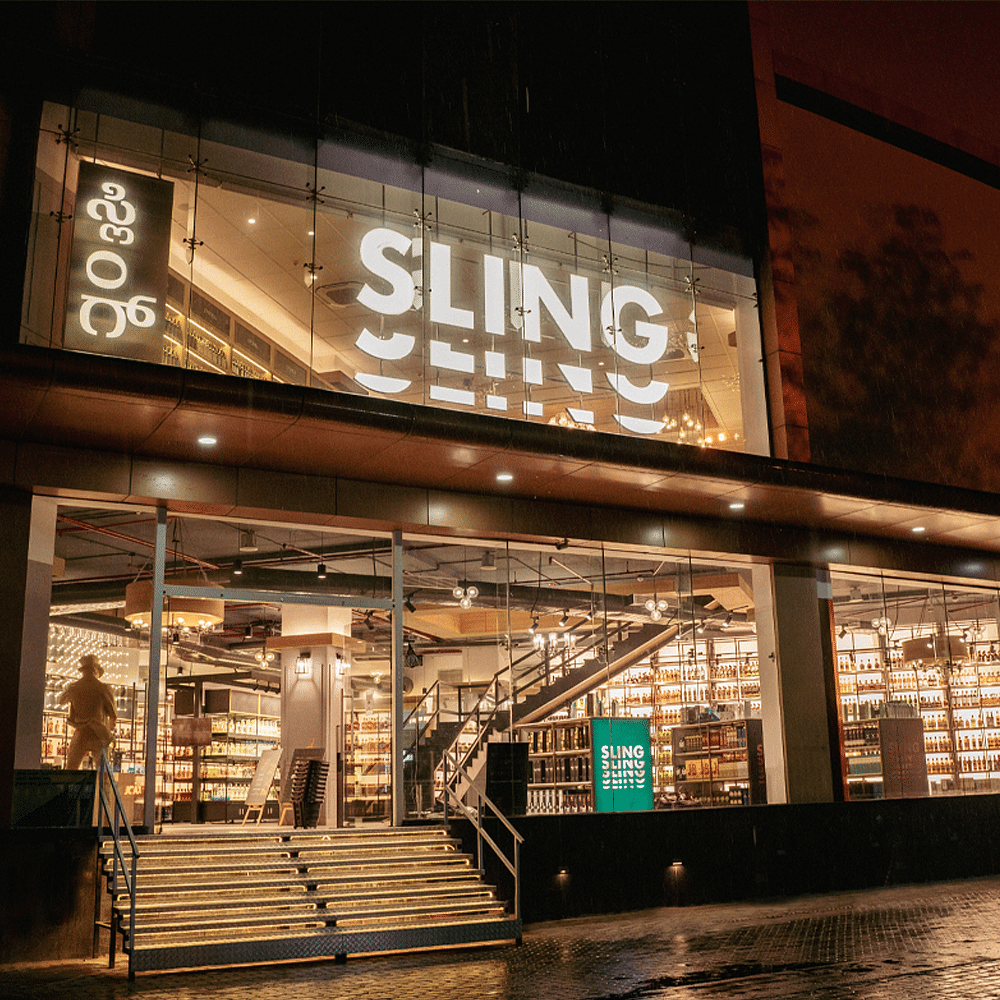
x=238, y=897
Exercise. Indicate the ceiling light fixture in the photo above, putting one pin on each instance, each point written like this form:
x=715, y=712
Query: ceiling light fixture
x=186, y=614
x=564, y=620
x=409, y=605
x=656, y=607
x=465, y=595
x=248, y=541
x=504, y=477
x=238, y=567
x=489, y=563
x=882, y=625
x=918, y=530
x=321, y=571
x=737, y=505
x=207, y=440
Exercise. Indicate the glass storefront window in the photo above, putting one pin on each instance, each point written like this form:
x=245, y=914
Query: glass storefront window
x=924, y=653
x=281, y=635
x=365, y=274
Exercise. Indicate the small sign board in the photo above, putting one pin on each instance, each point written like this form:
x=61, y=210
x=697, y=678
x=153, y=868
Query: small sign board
x=263, y=777
x=187, y=731
x=118, y=265
x=623, y=771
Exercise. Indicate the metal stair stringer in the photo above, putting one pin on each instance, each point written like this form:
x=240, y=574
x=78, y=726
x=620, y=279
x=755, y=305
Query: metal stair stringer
x=582, y=681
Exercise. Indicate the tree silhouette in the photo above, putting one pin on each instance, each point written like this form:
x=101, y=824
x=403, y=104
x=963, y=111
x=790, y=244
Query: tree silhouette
x=900, y=362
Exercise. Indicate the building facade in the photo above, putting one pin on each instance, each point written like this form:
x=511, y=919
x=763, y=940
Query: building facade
x=447, y=353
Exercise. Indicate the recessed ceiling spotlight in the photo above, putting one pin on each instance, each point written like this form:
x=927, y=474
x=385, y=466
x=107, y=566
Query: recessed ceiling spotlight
x=918, y=530
x=737, y=505
x=208, y=440
x=504, y=477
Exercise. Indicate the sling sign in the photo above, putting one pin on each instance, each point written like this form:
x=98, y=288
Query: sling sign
x=510, y=295
x=623, y=772
x=118, y=266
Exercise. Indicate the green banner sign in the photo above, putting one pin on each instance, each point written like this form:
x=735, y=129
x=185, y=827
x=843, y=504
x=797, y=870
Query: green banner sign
x=623, y=769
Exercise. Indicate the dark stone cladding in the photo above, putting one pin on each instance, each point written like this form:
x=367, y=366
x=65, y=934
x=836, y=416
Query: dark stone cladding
x=583, y=864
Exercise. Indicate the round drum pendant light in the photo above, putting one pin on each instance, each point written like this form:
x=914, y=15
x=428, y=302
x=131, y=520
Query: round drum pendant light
x=191, y=614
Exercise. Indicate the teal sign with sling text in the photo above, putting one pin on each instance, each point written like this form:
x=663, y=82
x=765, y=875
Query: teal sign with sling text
x=623, y=768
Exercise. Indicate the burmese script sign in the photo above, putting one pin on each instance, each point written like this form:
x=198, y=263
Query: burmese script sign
x=118, y=266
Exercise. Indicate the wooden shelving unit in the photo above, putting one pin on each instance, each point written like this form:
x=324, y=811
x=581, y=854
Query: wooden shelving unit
x=721, y=763
x=560, y=759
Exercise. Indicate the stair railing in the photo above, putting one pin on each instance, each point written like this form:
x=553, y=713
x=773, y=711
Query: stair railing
x=483, y=718
x=493, y=703
x=478, y=725
x=475, y=817
x=420, y=728
x=116, y=818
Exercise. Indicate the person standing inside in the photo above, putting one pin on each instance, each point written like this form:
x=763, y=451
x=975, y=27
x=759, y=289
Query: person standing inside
x=91, y=713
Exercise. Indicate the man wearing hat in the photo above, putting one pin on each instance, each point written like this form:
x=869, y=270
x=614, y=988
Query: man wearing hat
x=91, y=712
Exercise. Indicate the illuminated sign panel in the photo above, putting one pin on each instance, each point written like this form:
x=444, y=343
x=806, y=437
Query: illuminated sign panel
x=623, y=771
x=597, y=324
x=118, y=267
x=428, y=285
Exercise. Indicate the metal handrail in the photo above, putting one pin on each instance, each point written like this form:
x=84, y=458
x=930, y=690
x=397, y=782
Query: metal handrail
x=476, y=819
x=115, y=820
x=416, y=708
x=490, y=700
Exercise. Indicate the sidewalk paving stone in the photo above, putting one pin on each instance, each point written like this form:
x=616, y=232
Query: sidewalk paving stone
x=920, y=942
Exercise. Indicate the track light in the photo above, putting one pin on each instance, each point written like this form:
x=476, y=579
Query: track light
x=409, y=605
x=534, y=625
x=564, y=620
x=368, y=622
x=564, y=544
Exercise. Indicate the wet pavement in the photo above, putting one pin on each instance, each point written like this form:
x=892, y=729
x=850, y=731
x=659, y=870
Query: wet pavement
x=928, y=941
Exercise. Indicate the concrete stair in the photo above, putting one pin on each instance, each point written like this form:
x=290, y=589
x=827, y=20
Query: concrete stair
x=210, y=899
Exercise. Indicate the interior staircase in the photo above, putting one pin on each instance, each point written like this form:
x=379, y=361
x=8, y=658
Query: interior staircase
x=235, y=897
x=538, y=692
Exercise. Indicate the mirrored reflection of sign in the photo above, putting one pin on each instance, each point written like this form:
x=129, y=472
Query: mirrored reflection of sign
x=600, y=352
x=118, y=267
x=623, y=772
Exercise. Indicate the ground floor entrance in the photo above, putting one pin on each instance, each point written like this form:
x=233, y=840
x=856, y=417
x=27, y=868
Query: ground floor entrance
x=396, y=660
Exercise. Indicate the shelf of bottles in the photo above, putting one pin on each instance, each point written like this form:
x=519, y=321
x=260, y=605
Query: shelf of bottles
x=244, y=724
x=720, y=763
x=560, y=765
x=959, y=705
x=369, y=756
x=674, y=685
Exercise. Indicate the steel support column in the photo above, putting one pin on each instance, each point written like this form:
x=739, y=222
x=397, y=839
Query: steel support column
x=153, y=684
